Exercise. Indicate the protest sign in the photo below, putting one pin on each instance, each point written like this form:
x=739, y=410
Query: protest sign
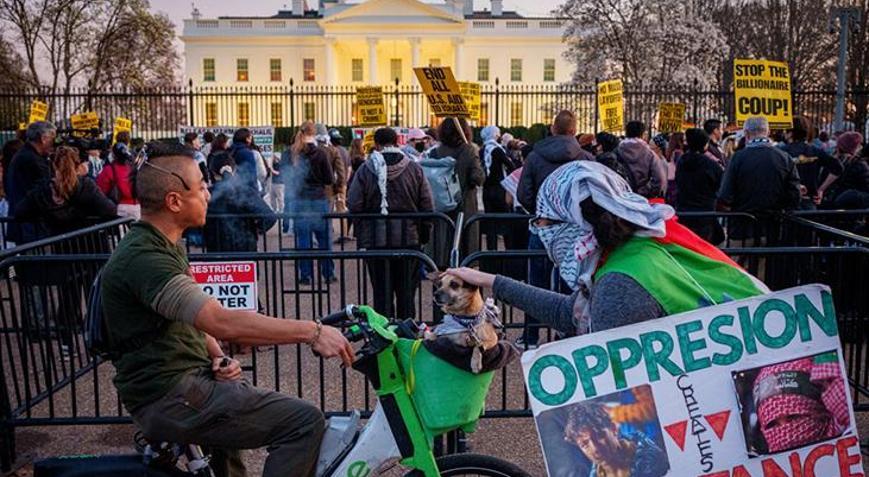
x=763, y=88
x=367, y=136
x=611, y=106
x=84, y=122
x=372, y=112
x=121, y=125
x=38, y=111
x=233, y=284
x=442, y=91
x=670, y=117
x=472, y=96
x=750, y=388
x=263, y=136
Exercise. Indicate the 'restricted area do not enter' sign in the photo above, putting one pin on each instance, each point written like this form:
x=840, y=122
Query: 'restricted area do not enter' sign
x=233, y=284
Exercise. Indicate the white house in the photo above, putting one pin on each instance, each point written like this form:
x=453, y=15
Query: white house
x=375, y=42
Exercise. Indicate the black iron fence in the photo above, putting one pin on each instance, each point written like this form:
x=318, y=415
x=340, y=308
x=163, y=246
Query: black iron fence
x=157, y=113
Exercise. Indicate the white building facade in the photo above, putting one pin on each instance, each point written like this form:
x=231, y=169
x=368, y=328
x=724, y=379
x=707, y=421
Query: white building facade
x=370, y=43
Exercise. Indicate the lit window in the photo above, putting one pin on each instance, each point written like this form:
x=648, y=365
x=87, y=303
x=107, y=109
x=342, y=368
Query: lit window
x=275, y=69
x=208, y=69
x=244, y=114
x=395, y=69
x=241, y=69
x=309, y=111
x=516, y=69
x=277, y=115
x=516, y=114
x=434, y=62
x=356, y=69
x=308, y=73
x=482, y=69
x=211, y=114
x=549, y=69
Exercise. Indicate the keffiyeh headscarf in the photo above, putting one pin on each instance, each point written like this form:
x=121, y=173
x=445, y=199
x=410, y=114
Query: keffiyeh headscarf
x=570, y=242
x=490, y=136
x=377, y=162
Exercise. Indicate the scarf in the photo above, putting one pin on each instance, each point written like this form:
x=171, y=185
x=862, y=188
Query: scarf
x=490, y=137
x=377, y=162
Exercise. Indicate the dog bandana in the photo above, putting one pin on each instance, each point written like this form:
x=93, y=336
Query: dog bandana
x=461, y=324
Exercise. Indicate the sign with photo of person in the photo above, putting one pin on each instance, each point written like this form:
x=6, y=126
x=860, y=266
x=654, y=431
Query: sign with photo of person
x=749, y=388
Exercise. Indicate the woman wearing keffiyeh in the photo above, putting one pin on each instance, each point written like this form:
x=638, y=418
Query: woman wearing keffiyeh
x=626, y=259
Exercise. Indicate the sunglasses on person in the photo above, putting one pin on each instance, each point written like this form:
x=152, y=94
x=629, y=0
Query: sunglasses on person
x=142, y=160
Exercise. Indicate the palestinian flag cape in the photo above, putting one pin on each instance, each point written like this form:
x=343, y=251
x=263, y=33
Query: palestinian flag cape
x=681, y=271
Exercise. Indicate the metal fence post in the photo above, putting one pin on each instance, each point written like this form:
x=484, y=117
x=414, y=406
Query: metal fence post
x=697, y=121
x=191, y=121
x=397, y=120
x=596, y=112
x=497, y=120
x=292, y=106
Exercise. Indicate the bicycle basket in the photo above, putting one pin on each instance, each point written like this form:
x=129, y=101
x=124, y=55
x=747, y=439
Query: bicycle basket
x=445, y=396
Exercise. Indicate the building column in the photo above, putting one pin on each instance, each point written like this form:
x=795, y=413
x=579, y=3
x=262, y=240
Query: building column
x=414, y=52
x=372, y=62
x=330, y=68
x=458, y=55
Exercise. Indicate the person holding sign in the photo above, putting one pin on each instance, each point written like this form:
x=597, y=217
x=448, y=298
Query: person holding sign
x=172, y=375
x=654, y=266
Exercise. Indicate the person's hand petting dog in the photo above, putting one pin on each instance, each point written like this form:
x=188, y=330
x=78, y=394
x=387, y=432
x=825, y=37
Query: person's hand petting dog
x=473, y=276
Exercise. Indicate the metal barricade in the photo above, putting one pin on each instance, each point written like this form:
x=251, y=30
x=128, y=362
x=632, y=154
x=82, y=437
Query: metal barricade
x=98, y=238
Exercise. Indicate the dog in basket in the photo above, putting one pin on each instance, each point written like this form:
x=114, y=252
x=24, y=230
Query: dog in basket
x=470, y=323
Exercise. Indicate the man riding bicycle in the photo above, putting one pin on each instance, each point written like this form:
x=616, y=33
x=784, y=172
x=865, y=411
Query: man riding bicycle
x=165, y=328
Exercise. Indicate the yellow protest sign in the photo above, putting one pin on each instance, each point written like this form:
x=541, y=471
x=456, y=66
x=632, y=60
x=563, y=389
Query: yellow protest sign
x=670, y=116
x=84, y=122
x=38, y=111
x=763, y=88
x=121, y=125
x=372, y=111
x=442, y=91
x=22, y=126
x=611, y=106
x=472, y=96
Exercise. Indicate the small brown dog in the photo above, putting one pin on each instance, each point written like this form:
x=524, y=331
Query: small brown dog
x=470, y=321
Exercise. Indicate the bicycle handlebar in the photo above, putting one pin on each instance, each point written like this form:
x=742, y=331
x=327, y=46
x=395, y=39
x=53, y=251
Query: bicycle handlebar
x=338, y=317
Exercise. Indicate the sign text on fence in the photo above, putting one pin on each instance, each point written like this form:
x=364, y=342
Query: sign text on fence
x=472, y=96
x=233, y=284
x=38, y=111
x=611, y=106
x=372, y=111
x=263, y=136
x=121, y=125
x=763, y=88
x=84, y=122
x=670, y=117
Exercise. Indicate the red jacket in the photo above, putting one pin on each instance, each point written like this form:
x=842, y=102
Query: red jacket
x=117, y=174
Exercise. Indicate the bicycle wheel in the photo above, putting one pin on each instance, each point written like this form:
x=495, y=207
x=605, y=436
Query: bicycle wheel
x=470, y=465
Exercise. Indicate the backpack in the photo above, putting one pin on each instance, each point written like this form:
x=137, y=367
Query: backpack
x=96, y=336
x=445, y=188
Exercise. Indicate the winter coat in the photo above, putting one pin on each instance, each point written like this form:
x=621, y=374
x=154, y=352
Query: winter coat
x=494, y=195
x=339, y=168
x=648, y=174
x=26, y=170
x=118, y=174
x=407, y=190
x=306, y=178
x=234, y=196
x=66, y=215
x=810, y=162
x=548, y=154
x=855, y=175
x=698, y=178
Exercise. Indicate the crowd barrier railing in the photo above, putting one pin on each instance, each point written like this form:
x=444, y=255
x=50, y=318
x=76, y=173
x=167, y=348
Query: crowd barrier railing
x=102, y=237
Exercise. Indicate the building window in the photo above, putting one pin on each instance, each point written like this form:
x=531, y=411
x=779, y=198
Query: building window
x=516, y=114
x=211, y=114
x=308, y=73
x=395, y=69
x=244, y=114
x=277, y=115
x=208, y=69
x=309, y=111
x=356, y=69
x=482, y=69
x=549, y=69
x=275, y=69
x=241, y=69
x=516, y=69
x=435, y=62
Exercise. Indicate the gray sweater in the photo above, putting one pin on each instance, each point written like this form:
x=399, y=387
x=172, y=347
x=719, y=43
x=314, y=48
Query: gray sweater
x=616, y=300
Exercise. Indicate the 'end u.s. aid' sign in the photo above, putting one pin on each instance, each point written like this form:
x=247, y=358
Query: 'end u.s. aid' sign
x=233, y=284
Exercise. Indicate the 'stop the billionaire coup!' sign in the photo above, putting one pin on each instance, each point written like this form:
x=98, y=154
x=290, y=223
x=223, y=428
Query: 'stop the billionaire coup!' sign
x=442, y=91
x=750, y=388
x=763, y=88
